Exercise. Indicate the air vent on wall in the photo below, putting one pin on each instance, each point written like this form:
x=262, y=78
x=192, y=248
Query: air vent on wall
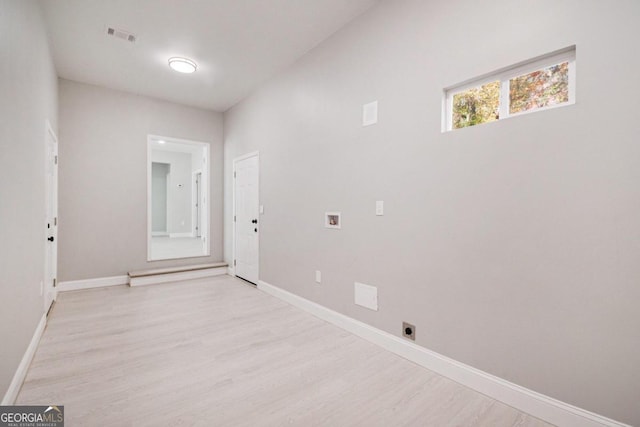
x=121, y=34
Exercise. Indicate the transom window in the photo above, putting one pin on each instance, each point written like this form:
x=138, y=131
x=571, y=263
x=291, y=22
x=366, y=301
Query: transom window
x=539, y=84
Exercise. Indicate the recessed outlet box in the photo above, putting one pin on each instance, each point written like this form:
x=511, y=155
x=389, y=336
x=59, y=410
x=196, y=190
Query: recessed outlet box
x=332, y=220
x=366, y=296
x=318, y=276
x=408, y=331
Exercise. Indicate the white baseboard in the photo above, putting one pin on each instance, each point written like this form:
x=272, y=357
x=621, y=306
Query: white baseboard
x=231, y=271
x=175, y=277
x=101, y=282
x=544, y=407
x=18, y=378
x=187, y=234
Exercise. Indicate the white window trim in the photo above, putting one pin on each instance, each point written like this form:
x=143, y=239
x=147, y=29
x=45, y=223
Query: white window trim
x=505, y=75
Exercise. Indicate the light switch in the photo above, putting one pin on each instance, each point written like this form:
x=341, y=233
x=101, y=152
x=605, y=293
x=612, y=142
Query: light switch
x=380, y=208
x=370, y=113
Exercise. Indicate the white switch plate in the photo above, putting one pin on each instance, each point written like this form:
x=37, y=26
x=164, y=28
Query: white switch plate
x=379, y=207
x=318, y=277
x=261, y=209
x=370, y=113
x=366, y=296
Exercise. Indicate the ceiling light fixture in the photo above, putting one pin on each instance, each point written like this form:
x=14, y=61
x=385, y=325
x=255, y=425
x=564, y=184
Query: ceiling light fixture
x=161, y=141
x=182, y=65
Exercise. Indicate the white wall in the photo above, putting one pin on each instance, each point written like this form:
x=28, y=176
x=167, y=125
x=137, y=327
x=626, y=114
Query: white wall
x=179, y=197
x=28, y=85
x=103, y=177
x=159, y=197
x=512, y=246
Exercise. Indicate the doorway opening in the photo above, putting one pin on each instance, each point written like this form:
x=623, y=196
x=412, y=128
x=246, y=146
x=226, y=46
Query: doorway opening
x=177, y=198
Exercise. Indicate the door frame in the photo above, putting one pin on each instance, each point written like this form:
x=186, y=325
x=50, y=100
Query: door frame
x=196, y=211
x=50, y=270
x=233, y=210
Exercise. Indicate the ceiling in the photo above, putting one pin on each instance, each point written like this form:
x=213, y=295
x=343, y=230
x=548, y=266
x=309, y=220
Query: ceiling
x=237, y=44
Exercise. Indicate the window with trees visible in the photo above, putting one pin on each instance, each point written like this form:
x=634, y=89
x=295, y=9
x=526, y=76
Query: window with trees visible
x=542, y=83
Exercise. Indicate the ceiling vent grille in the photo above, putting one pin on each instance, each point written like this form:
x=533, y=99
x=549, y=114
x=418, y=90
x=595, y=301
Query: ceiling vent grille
x=121, y=34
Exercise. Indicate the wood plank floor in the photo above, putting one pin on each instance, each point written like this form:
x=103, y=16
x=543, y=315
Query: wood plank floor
x=218, y=352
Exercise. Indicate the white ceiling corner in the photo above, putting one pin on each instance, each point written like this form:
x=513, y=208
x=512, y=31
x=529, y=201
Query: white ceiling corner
x=237, y=44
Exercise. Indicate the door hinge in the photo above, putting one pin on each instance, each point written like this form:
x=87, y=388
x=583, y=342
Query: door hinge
x=55, y=281
x=234, y=262
x=55, y=221
x=55, y=161
x=234, y=218
x=234, y=174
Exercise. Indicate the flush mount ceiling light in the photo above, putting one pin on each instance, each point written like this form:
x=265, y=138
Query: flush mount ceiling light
x=161, y=141
x=182, y=65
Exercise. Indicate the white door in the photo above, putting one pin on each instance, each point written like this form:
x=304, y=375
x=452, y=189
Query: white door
x=247, y=228
x=51, y=186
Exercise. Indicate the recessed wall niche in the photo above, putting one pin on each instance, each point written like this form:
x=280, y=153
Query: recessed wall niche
x=332, y=220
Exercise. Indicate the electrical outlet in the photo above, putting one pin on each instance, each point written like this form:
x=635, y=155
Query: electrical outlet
x=379, y=208
x=318, y=276
x=409, y=331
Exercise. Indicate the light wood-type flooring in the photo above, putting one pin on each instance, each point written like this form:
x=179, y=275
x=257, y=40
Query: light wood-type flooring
x=219, y=352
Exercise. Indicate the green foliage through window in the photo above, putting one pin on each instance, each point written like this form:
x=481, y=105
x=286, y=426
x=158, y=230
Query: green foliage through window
x=542, y=88
x=544, y=82
x=477, y=105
